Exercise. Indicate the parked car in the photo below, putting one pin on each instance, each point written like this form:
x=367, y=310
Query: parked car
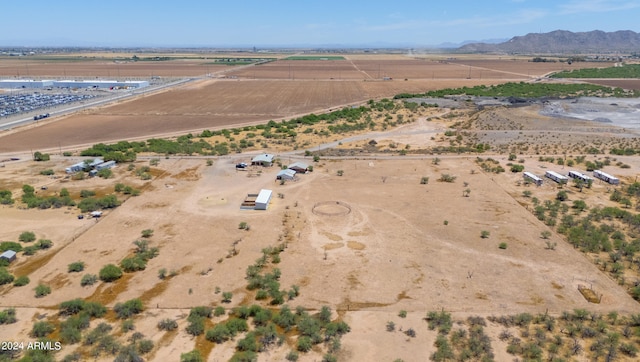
x=241, y=165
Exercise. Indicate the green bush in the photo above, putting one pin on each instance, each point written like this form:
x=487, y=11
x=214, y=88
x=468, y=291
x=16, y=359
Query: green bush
x=128, y=308
x=8, y=316
x=75, y=267
x=88, y=279
x=5, y=276
x=193, y=356
x=133, y=264
x=167, y=324
x=42, y=290
x=110, y=273
x=27, y=236
x=502, y=245
x=21, y=281
x=41, y=329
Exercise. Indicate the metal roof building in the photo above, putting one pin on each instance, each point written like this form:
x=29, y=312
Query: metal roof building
x=287, y=174
x=25, y=83
x=100, y=84
x=264, y=159
x=8, y=255
x=262, y=201
x=300, y=167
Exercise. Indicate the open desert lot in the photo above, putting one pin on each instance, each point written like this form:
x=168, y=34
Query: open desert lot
x=368, y=244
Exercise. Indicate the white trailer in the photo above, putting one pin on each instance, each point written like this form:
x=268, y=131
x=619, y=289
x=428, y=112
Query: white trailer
x=580, y=176
x=561, y=179
x=531, y=177
x=606, y=177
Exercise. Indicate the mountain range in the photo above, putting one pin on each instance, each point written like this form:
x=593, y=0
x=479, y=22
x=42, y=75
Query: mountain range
x=563, y=42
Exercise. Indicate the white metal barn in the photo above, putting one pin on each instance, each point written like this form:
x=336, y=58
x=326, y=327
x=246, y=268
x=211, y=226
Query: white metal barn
x=531, y=177
x=580, y=176
x=561, y=179
x=606, y=177
x=262, y=201
x=104, y=165
x=286, y=175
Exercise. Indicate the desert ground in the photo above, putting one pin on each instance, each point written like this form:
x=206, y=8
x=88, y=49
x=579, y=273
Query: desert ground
x=362, y=233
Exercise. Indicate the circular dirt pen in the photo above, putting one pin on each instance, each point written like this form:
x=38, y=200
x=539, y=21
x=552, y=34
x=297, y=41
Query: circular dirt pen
x=331, y=208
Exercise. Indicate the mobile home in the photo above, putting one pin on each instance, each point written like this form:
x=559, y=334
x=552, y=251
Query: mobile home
x=579, y=176
x=561, y=179
x=531, y=177
x=606, y=177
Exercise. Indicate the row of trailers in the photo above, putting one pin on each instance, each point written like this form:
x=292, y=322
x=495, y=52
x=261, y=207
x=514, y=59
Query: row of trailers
x=562, y=179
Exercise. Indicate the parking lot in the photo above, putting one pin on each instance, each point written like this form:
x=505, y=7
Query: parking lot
x=16, y=103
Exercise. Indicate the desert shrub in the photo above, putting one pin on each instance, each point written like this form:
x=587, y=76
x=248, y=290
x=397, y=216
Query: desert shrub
x=218, y=311
x=5, y=276
x=76, y=267
x=71, y=307
x=502, y=245
x=21, y=281
x=41, y=329
x=304, y=344
x=193, y=356
x=42, y=290
x=110, y=273
x=440, y=321
x=132, y=264
x=43, y=244
x=10, y=245
x=8, y=316
x=167, y=324
x=445, y=177
x=27, y=236
x=195, y=326
x=88, y=279
x=128, y=308
x=218, y=334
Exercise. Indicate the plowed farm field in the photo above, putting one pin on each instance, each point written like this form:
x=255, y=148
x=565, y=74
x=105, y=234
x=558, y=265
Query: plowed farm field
x=251, y=94
x=26, y=68
x=208, y=104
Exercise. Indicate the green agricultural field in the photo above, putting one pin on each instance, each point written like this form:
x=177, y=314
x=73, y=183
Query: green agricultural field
x=626, y=71
x=315, y=57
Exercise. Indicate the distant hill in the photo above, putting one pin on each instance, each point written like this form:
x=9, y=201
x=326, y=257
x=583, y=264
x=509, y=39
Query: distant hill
x=563, y=42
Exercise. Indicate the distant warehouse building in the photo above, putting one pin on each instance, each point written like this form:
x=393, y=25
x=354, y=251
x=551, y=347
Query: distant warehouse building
x=100, y=84
x=8, y=256
x=104, y=165
x=25, y=83
x=264, y=159
x=299, y=167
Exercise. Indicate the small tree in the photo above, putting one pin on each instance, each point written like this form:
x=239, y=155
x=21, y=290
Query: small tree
x=147, y=233
x=562, y=196
x=545, y=234
x=226, y=297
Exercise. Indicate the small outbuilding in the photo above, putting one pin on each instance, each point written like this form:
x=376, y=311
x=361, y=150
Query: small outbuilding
x=287, y=174
x=264, y=159
x=262, y=201
x=8, y=255
x=299, y=167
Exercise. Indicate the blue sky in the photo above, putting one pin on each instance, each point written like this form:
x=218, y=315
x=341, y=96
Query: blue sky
x=125, y=23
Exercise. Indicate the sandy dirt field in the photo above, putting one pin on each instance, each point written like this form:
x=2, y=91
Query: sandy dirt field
x=363, y=235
